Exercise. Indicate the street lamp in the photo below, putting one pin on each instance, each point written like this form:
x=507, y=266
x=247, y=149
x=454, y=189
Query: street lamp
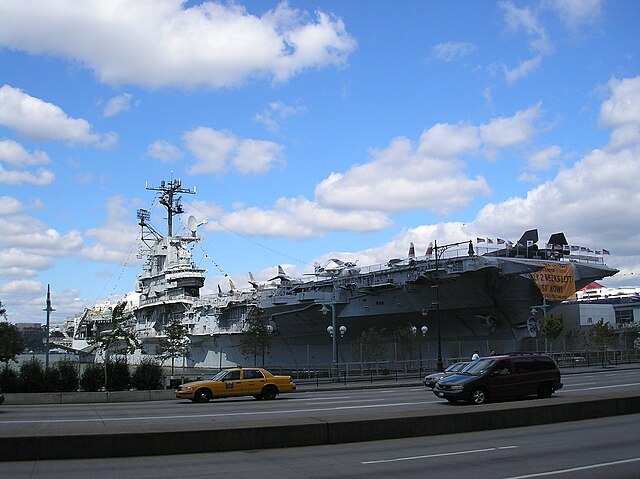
x=542, y=307
x=334, y=340
x=438, y=250
x=424, y=331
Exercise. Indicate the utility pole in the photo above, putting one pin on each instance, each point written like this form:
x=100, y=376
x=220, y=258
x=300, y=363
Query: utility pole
x=48, y=309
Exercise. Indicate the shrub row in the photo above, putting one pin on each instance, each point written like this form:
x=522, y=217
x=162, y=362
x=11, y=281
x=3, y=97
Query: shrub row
x=64, y=376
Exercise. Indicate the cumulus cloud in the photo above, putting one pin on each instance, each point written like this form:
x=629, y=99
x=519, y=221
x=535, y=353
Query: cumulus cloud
x=17, y=177
x=429, y=175
x=218, y=151
x=164, y=151
x=10, y=205
x=211, y=44
x=509, y=132
x=298, y=218
x=36, y=119
x=544, y=159
x=14, y=155
x=116, y=240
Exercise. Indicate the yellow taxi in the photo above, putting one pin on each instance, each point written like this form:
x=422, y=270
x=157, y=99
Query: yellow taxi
x=256, y=382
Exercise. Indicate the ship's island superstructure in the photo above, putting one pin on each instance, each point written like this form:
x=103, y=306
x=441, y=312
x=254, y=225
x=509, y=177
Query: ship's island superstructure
x=498, y=296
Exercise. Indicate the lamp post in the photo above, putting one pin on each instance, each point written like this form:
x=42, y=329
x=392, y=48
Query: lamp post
x=331, y=329
x=438, y=250
x=424, y=331
x=542, y=307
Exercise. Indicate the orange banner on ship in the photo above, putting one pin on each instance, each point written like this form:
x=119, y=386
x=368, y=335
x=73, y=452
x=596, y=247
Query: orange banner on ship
x=555, y=281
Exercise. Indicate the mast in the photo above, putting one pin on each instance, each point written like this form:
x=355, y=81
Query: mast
x=170, y=201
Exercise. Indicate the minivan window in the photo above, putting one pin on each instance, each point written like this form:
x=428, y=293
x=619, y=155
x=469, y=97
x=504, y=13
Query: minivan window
x=478, y=367
x=524, y=365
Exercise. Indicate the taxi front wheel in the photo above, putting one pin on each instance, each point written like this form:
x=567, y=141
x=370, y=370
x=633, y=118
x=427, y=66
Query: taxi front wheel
x=202, y=395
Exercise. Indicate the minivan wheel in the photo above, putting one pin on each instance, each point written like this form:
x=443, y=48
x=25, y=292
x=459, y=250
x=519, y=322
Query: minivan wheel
x=478, y=396
x=545, y=390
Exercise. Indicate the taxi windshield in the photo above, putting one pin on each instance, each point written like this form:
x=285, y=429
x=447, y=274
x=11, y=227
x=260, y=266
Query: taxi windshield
x=219, y=375
x=478, y=367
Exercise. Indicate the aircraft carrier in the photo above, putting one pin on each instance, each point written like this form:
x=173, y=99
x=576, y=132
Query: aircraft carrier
x=452, y=299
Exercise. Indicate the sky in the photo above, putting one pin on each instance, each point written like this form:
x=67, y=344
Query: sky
x=309, y=130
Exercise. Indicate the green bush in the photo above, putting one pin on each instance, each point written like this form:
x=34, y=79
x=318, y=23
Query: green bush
x=51, y=379
x=8, y=379
x=92, y=378
x=147, y=375
x=32, y=377
x=68, y=380
x=118, y=375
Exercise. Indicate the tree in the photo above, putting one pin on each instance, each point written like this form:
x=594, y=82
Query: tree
x=406, y=342
x=120, y=340
x=11, y=341
x=602, y=336
x=630, y=334
x=256, y=338
x=371, y=346
x=176, y=344
x=551, y=327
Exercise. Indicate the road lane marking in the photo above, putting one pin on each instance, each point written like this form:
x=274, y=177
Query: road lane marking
x=442, y=454
x=574, y=469
x=213, y=415
x=604, y=387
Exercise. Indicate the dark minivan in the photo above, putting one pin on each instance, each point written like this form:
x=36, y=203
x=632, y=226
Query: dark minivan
x=502, y=377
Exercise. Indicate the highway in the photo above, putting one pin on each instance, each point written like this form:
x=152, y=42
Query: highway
x=606, y=447
x=311, y=417
x=309, y=404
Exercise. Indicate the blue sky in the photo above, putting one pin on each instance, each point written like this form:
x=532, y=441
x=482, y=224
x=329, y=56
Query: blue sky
x=311, y=131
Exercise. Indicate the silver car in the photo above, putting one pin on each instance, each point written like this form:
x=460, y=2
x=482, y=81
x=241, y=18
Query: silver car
x=431, y=379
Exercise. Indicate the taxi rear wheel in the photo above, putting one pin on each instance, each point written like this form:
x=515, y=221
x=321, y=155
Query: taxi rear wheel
x=269, y=392
x=202, y=395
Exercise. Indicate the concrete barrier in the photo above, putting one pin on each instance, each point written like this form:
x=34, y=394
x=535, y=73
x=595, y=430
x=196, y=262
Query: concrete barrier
x=88, y=397
x=309, y=432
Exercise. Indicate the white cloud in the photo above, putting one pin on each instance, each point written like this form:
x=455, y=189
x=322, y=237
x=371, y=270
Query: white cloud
x=544, y=159
x=117, y=104
x=14, y=154
x=298, y=218
x=217, y=151
x=166, y=43
x=276, y=112
x=39, y=120
x=623, y=107
x=451, y=51
x=164, y=151
x=17, y=177
x=540, y=45
x=32, y=236
x=512, y=131
x=10, y=205
x=116, y=241
x=576, y=12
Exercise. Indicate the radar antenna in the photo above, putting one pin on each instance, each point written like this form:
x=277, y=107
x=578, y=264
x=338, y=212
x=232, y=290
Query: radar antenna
x=169, y=199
